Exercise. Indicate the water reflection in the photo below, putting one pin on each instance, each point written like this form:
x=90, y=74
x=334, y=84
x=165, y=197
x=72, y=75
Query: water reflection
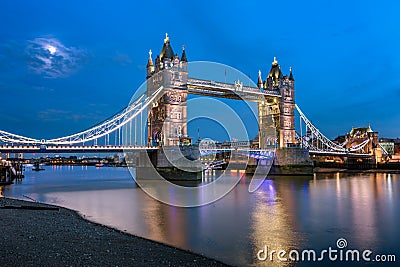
x=359, y=206
x=284, y=213
x=271, y=222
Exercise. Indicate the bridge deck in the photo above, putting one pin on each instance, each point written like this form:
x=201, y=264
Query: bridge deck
x=112, y=148
x=335, y=153
x=71, y=149
x=227, y=90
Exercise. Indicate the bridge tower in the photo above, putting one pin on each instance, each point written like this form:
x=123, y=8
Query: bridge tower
x=276, y=125
x=276, y=116
x=167, y=119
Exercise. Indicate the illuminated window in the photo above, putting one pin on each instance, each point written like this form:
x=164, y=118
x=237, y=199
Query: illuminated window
x=287, y=124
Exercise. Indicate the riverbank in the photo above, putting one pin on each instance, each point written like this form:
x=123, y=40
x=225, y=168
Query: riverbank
x=335, y=170
x=35, y=234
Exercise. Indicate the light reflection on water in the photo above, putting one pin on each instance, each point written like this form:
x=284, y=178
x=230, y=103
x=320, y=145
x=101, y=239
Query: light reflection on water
x=284, y=213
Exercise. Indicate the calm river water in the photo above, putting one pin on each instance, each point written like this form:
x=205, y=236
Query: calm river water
x=286, y=213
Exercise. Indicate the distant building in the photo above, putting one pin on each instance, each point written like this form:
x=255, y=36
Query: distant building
x=362, y=139
x=340, y=140
x=391, y=145
x=387, y=147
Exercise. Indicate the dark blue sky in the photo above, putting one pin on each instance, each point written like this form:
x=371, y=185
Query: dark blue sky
x=345, y=56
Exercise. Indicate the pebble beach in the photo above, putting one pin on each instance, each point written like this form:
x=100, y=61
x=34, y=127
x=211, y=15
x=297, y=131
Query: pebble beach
x=36, y=234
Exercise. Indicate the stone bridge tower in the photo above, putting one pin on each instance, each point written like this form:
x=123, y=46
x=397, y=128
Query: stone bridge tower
x=276, y=116
x=167, y=119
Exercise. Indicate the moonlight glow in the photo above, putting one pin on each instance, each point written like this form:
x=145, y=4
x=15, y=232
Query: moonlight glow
x=52, y=49
x=52, y=58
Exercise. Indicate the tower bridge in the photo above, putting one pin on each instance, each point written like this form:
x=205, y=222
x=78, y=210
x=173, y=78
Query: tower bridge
x=164, y=106
x=167, y=118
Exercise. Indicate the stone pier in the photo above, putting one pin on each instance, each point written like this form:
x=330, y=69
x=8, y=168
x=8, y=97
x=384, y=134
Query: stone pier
x=292, y=161
x=288, y=161
x=175, y=163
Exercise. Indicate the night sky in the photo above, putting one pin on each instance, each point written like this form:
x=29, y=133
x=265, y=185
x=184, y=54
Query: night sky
x=67, y=65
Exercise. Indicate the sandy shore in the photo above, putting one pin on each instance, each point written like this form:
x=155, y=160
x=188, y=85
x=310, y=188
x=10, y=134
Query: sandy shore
x=32, y=236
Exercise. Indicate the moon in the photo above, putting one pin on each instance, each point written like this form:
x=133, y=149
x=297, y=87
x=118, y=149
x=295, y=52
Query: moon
x=51, y=49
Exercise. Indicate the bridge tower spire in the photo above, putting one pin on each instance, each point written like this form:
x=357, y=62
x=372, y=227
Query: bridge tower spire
x=149, y=66
x=259, y=82
x=167, y=119
x=291, y=75
x=183, y=57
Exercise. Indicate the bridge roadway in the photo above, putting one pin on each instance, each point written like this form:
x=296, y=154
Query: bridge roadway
x=71, y=149
x=267, y=151
x=114, y=148
x=336, y=153
x=94, y=148
x=107, y=148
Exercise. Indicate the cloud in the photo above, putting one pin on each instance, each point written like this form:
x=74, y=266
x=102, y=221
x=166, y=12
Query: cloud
x=48, y=56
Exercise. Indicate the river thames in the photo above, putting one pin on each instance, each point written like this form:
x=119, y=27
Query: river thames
x=285, y=213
